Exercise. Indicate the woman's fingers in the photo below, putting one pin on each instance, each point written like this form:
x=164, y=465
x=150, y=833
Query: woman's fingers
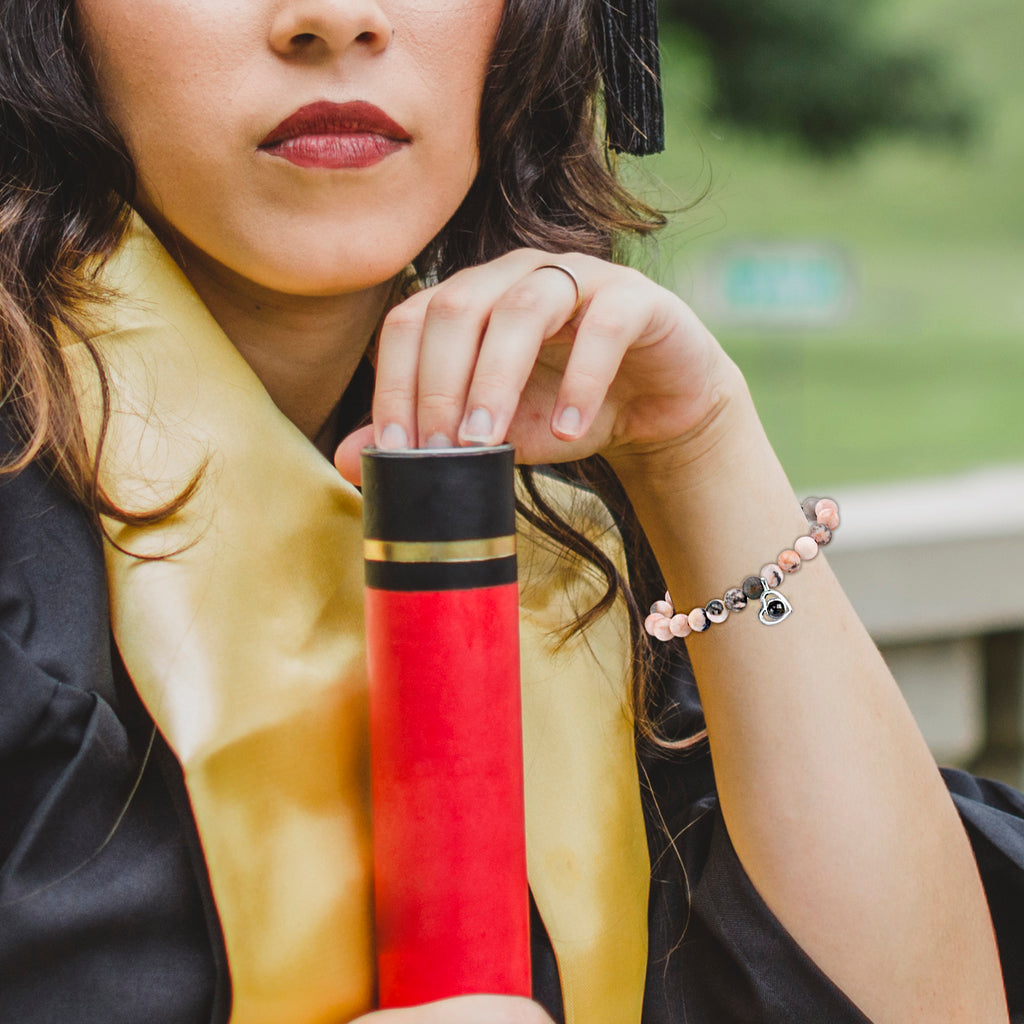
x=614, y=322
x=347, y=455
x=396, y=387
x=427, y=351
x=564, y=357
x=483, y=327
x=453, y=325
x=533, y=310
x=464, y=1010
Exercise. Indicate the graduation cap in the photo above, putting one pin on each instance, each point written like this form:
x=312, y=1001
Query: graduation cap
x=634, y=114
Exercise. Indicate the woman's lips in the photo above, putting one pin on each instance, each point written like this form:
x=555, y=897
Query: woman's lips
x=336, y=135
x=347, y=149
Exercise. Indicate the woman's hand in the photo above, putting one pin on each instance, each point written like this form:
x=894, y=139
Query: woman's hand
x=510, y=351
x=464, y=1010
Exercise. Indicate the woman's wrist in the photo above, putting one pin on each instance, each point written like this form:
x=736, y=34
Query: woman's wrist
x=715, y=504
x=729, y=427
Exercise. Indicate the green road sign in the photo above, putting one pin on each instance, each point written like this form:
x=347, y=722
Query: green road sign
x=778, y=285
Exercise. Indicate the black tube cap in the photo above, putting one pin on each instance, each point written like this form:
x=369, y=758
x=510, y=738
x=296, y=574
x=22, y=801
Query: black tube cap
x=439, y=494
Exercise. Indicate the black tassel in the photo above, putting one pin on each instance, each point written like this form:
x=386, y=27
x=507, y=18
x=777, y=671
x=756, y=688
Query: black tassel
x=631, y=69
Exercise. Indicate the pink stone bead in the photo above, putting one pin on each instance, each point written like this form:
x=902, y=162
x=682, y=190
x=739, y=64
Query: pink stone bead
x=829, y=517
x=662, y=608
x=679, y=625
x=822, y=504
x=789, y=561
x=771, y=574
x=806, y=548
x=657, y=626
x=699, y=621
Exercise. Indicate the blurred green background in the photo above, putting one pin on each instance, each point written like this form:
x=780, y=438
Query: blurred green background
x=871, y=287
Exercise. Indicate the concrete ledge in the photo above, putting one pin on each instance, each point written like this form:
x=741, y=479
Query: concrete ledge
x=934, y=559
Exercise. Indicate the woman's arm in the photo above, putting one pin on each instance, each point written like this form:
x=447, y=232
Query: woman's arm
x=830, y=795
x=832, y=800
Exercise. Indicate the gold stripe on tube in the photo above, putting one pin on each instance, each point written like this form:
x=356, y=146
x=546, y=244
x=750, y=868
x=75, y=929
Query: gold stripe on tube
x=479, y=550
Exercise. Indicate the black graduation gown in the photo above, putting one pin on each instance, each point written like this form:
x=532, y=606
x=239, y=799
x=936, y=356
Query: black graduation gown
x=105, y=908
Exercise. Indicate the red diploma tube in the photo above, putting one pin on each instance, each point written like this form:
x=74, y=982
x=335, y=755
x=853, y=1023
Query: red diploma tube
x=446, y=754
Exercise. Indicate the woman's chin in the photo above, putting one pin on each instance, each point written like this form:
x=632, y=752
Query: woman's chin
x=325, y=288
x=304, y=264
x=321, y=272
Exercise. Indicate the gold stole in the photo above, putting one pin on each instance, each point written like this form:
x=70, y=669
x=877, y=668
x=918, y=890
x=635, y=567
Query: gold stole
x=246, y=646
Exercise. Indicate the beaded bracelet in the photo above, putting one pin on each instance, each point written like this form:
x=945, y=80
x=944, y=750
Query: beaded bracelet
x=823, y=516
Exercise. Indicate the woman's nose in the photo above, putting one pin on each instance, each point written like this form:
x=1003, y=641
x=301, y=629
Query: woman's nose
x=323, y=27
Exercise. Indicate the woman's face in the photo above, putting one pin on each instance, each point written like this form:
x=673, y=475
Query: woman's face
x=313, y=147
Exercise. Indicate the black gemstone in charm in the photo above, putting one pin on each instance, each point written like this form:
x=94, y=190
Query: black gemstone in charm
x=752, y=587
x=774, y=608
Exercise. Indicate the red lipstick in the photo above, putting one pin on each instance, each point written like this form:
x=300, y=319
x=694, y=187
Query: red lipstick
x=336, y=135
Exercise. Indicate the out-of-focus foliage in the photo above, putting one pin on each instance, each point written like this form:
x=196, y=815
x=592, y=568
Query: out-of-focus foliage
x=820, y=71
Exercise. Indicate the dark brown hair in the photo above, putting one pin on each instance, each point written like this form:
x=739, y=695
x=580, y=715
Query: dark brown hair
x=545, y=181
x=64, y=174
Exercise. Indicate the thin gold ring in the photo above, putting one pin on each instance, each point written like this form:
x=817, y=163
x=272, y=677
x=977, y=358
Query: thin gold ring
x=575, y=283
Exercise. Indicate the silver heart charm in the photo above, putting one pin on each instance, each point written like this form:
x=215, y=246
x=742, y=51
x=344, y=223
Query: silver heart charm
x=774, y=608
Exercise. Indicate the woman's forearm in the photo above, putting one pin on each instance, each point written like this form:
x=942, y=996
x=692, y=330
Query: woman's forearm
x=830, y=796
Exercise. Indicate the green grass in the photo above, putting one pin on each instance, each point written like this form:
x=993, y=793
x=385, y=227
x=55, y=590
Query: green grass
x=927, y=374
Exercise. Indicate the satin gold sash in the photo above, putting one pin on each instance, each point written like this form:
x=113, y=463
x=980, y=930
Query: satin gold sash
x=246, y=646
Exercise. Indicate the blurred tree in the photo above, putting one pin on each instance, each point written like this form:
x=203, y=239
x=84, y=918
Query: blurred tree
x=818, y=70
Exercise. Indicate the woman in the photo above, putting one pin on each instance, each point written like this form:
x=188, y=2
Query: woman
x=287, y=159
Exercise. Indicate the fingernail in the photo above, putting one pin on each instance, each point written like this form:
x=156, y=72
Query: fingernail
x=478, y=427
x=439, y=441
x=393, y=436
x=568, y=422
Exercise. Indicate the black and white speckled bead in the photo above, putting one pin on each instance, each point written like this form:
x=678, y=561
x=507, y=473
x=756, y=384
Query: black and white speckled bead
x=735, y=600
x=821, y=534
x=716, y=610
